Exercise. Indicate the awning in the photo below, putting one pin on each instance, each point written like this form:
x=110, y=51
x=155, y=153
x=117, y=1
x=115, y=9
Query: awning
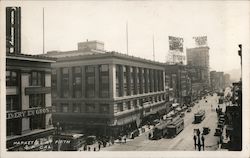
x=175, y=105
x=178, y=109
x=171, y=113
x=184, y=107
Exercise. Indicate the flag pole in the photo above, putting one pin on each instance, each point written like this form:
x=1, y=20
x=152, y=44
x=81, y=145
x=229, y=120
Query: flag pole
x=127, y=35
x=43, y=30
x=153, y=48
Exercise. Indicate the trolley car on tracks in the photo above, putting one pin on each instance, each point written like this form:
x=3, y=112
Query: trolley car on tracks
x=199, y=116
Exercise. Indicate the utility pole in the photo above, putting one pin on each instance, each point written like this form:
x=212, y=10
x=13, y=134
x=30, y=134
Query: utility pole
x=43, y=30
x=127, y=35
x=153, y=48
x=240, y=54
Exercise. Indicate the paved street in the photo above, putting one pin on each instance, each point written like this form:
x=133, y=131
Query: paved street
x=183, y=141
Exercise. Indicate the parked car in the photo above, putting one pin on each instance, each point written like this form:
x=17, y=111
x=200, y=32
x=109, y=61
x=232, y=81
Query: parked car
x=218, y=132
x=90, y=140
x=155, y=122
x=189, y=110
x=134, y=134
x=182, y=114
x=206, y=130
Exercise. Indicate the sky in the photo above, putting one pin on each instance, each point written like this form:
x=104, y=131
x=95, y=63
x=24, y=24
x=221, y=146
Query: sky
x=225, y=23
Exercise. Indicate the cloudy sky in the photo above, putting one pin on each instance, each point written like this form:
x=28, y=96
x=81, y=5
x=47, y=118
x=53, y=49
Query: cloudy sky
x=225, y=23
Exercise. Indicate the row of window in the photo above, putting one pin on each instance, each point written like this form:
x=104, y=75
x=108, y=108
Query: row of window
x=36, y=78
x=80, y=108
x=77, y=82
x=14, y=126
x=35, y=100
x=134, y=104
x=133, y=80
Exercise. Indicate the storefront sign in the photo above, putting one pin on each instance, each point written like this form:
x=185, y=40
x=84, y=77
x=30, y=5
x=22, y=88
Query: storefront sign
x=27, y=113
x=37, y=90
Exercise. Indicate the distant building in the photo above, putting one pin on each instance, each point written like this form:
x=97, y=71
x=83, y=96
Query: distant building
x=179, y=82
x=227, y=81
x=221, y=80
x=218, y=80
x=199, y=57
x=106, y=93
x=28, y=101
x=199, y=84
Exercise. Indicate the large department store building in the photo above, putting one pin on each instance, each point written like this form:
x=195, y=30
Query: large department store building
x=106, y=93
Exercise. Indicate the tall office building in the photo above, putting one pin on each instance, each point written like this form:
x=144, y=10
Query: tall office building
x=199, y=57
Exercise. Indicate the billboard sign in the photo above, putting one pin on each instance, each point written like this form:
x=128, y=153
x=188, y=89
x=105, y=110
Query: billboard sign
x=175, y=43
x=200, y=41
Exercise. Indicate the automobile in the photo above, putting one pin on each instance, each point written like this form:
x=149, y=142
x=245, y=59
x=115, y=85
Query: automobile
x=182, y=114
x=189, y=110
x=155, y=122
x=134, y=134
x=90, y=140
x=220, y=125
x=218, y=132
x=206, y=130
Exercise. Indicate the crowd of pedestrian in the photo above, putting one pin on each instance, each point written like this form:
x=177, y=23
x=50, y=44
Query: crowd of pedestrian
x=101, y=143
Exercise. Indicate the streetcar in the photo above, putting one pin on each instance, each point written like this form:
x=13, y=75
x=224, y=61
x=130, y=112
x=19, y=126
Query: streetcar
x=169, y=128
x=199, y=116
x=221, y=100
x=160, y=130
x=175, y=127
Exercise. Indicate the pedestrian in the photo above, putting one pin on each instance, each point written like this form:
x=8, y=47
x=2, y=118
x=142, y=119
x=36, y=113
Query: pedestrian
x=211, y=107
x=203, y=142
x=94, y=149
x=120, y=139
x=85, y=147
x=99, y=146
x=88, y=148
x=198, y=132
x=194, y=141
x=125, y=140
x=199, y=144
x=149, y=135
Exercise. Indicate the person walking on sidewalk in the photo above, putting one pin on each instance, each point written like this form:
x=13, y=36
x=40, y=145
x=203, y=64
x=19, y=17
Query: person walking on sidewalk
x=199, y=144
x=203, y=142
x=194, y=141
x=198, y=132
x=99, y=146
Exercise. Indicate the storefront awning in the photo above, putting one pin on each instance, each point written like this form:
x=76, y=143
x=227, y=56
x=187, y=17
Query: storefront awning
x=171, y=113
x=178, y=109
x=175, y=105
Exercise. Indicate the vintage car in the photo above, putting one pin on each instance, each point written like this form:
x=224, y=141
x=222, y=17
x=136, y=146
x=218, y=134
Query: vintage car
x=206, y=130
x=218, y=132
x=189, y=110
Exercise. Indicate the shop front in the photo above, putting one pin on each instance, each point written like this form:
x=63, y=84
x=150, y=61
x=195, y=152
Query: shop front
x=39, y=140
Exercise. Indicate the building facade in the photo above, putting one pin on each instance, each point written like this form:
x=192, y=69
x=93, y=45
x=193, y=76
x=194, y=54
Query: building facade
x=106, y=93
x=227, y=81
x=178, y=81
x=28, y=101
x=199, y=57
x=218, y=81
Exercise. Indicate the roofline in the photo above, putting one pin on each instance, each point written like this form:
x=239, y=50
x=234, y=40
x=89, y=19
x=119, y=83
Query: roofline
x=31, y=58
x=111, y=54
x=92, y=41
